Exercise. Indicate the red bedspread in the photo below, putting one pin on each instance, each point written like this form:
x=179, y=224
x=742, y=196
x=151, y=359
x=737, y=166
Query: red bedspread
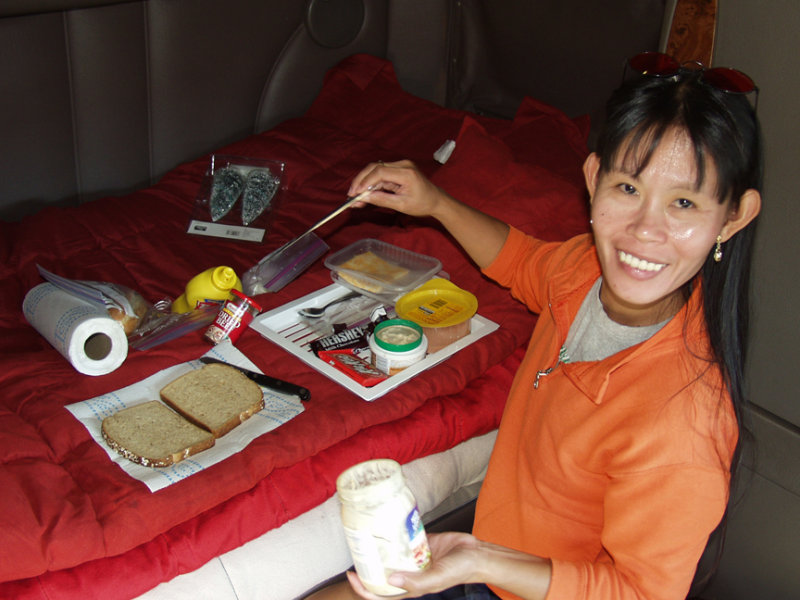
x=74, y=525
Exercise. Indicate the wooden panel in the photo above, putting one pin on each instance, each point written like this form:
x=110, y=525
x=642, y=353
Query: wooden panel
x=691, y=35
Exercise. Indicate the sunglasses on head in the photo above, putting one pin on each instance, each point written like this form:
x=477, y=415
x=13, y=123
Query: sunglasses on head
x=658, y=64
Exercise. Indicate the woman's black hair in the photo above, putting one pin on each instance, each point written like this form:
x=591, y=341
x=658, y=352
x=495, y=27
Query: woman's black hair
x=725, y=133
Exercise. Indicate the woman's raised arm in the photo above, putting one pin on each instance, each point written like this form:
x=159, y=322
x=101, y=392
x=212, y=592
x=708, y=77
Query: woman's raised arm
x=402, y=187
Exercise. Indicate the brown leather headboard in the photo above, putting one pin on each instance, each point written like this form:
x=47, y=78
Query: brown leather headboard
x=568, y=54
x=102, y=97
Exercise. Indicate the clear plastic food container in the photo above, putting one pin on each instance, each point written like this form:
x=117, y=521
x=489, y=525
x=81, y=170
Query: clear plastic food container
x=380, y=270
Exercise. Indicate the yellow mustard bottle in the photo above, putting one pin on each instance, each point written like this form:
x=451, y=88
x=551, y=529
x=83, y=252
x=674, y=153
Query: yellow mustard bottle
x=212, y=286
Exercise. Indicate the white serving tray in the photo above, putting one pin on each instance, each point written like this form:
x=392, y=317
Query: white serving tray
x=286, y=328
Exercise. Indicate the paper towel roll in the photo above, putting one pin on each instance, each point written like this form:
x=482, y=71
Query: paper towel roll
x=82, y=332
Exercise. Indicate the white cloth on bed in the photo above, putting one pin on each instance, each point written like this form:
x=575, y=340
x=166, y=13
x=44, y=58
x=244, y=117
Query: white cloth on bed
x=278, y=409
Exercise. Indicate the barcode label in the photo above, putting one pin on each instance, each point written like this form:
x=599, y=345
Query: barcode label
x=250, y=234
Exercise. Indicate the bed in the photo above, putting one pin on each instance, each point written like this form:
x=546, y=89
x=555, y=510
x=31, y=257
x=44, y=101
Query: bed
x=263, y=521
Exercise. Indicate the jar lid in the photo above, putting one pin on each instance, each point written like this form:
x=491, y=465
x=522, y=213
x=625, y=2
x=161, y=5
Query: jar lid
x=437, y=303
x=246, y=299
x=397, y=335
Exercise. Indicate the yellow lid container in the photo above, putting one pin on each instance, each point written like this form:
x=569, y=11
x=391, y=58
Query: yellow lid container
x=213, y=285
x=443, y=310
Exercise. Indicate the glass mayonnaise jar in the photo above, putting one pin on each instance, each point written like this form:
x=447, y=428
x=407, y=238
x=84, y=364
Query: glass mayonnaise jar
x=382, y=524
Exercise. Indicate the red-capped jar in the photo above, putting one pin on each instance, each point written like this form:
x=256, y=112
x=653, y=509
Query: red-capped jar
x=233, y=318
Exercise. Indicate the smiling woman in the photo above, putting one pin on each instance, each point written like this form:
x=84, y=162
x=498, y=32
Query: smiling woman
x=626, y=414
x=654, y=226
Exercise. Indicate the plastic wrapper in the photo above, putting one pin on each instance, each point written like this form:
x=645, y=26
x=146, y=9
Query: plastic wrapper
x=236, y=196
x=145, y=325
x=350, y=328
x=87, y=322
x=353, y=366
x=160, y=324
x=122, y=303
x=283, y=265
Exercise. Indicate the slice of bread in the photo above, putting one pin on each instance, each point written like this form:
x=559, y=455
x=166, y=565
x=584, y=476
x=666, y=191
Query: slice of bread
x=374, y=268
x=216, y=397
x=153, y=435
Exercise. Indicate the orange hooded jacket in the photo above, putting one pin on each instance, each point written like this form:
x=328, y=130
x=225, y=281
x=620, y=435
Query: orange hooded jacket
x=617, y=470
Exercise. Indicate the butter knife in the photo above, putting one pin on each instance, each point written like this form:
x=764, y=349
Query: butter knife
x=350, y=201
x=265, y=380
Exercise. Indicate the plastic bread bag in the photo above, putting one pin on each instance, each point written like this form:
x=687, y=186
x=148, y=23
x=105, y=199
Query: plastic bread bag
x=146, y=325
x=123, y=304
x=161, y=325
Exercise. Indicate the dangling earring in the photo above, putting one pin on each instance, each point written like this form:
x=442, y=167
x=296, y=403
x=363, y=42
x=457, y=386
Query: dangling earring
x=718, y=249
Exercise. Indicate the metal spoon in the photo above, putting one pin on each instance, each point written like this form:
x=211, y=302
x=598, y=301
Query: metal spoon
x=314, y=312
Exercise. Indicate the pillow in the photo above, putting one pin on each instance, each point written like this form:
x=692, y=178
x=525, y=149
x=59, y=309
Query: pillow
x=483, y=172
x=543, y=135
x=575, y=132
x=362, y=96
